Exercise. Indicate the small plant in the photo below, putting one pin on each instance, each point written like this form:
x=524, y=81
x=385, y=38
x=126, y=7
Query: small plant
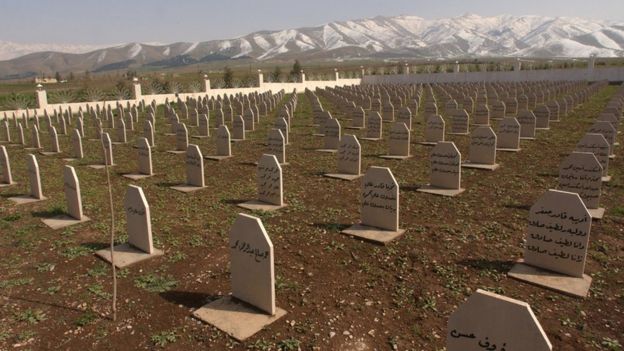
x=31, y=316
x=18, y=102
x=154, y=283
x=45, y=267
x=85, y=319
x=75, y=251
x=53, y=290
x=611, y=344
x=164, y=338
x=194, y=87
x=62, y=96
x=98, y=290
x=289, y=344
x=93, y=94
x=175, y=88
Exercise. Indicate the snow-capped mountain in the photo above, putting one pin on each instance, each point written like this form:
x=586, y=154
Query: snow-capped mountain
x=383, y=37
x=10, y=50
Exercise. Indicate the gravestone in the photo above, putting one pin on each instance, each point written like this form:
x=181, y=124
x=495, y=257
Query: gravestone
x=252, y=280
x=238, y=129
x=379, y=213
x=556, y=244
x=20, y=135
x=482, y=115
x=497, y=110
x=358, y=119
x=194, y=171
x=249, y=118
x=482, y=154
x=36, y=194
x=6, y=132
x=144, y=156
x=399, y=142
x=204, y=127
x=387, y=112
x=224, y=145
x=5, y=168
x=542, y=117
x=148, y=133
x=526, y=118
x=270, y=186
x=508, y=138
x=107, y=151
x=445, y=171
x=434, y=130
x=608, y=131
x=55, y=148
x=581, y=173
x=73, y=199
x=282, y=124
x=140, y=245
x=349, y=159
x=405, y=116
x=76, y=146
x=487, y=321
x=277, y=145
x=460, y=123
x=35, y=140
x=122, y=136
x=331, y=138
x=599, y=146
x=374, y=127
x=181, y=140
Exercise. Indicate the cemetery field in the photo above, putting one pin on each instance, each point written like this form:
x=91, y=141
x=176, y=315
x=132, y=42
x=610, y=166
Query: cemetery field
x=341, y=293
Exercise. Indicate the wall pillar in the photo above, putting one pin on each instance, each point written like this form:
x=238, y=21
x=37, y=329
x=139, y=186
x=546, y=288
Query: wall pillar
x=303, y=77
x=260, y=78
x=42, y=97
x=206, y=83
x=337, y=74
x=136, y=88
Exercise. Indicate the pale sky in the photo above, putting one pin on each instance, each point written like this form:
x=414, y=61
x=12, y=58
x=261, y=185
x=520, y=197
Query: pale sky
x=122, y=21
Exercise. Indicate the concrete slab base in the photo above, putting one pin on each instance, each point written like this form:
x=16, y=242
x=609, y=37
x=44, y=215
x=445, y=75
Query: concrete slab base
x=428, y=143
x=371, y=139
x=396, y=157
x=187, y=188
x=26, y=199
x=48, y=153
x=63, y=221
x=236, y=140
x=596, y=213
x=527, y=138
x=126, y=255
x=4, y=185
x=508, y=150
x=237, y=319
x=69, y=159
x=200, y=136
x=138, y=176
x=99, y=166
x=606, y=179
x=442, y=192
x=332, y=151
x=459, y=133
x=256, y=205
x=480, y=166
x=348, y=177
x=217, y=158
x=573, y=286
x=176, y=152
x=381, y=236
x=354, y=128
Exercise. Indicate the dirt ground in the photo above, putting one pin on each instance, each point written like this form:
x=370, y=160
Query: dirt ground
x=340, y=293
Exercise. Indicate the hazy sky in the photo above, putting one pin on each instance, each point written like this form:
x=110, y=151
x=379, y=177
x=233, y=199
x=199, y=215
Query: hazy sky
x=122, y=21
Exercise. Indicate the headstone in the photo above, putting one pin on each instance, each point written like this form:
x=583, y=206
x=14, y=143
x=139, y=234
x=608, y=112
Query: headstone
x=204, y=127
x=434, y=130
x=387, y=112
x=139, y=228
x=542, y=117
x=609, y=133
x=445, y=170
x=460, y=122
x=508, y=138
x=527, y=121
x=581, y=173
x=36, y=141
x=253, y=283
x=34, y=177
x=487, y=321
x=373, y=126
x=405, y=116
x=556, y=244
x=122, y=137
x=249, y=118
x=73, y=199
x=482, y=115
x=270, y=186
x=284, y=127
x=358, y=118
x=108, y=149
x=144, y=153
x=5, y=168
x=399, y=142
x=238, y=129
x=277, y=145
x=599, y=146
x=482, y=154
x=181, y=140
x=349, y=159
x=379, y=214
x=331, y=136
x=194, y=171
x=148, y=132
x=76, y=141
x=54, y=143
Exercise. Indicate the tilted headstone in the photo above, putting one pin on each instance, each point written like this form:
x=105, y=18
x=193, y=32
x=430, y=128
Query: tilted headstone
x=508, y=137
x=487, y=321
x=380, y=199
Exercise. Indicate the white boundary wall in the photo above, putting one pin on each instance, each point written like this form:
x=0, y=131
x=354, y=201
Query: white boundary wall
x=612, y=74
x=160, y=98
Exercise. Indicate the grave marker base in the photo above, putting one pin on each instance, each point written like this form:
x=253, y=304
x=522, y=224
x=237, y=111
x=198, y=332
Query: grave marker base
x=235, y=318
x=217, y=158
x=137, y=176
x=493, y=167
x=332, y=151
x=26, y=199
x=439, y=191
x=126, y=254
x=185, y=188
x=69, y=159
x=396, y=157
x=99, y=166
x=318, y=134
x=48, y=153
x=378, y=235
x=343, y=176
x=200, y=136
x=596, y=213
x=371, y=139
x=611, y=157
x=63, y=221
x=4, y=185
x=256, y=205
x=459, y=133
x=176, y=152
x=236, y=140
x=428, y=143
x=606, y=179
x=568, y=285
x=32, y=148
x=352, y=127
x=508, y=150
x=527, y=138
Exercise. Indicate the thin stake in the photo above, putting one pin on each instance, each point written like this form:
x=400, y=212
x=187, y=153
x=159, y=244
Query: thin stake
x=112, y=234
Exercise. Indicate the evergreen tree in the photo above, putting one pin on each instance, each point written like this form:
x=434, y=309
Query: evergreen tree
x=296, y=70
x=276, y=74
x=228, y=77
